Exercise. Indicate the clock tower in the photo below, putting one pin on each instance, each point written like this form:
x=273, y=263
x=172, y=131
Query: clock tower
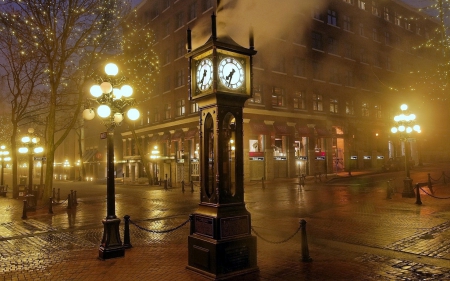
x=220, y=243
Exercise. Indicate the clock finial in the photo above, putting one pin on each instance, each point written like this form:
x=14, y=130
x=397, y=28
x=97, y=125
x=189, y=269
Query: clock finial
x=251, y=39
x=213, y=27
x=189, y=40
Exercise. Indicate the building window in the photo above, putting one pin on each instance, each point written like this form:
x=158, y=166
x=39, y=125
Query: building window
x=387, y=38
x=167, y=84
x=349, y=108
x=332, y=17
x=363, y=56
x=317, y=41
x=317, y=14
x=155, y=12
x=166, y=29
x=334, y=106
x=167, y=111
x=397, y=19
x=181, y=107
x=194, y=107
x=280, y=65
x=364, y=81
x=386, y=13
x=375, y=34
x=192, y=11
x=334, y=75
x=300, y=100
x=378, y=114
x=147, y=119
x=180, y=49
x=156, y=116
x=375, y=10
x=257, y=95
x=317, y=102
x=377, y=59
x=207, y=4
x=365, y=109
x=348, y=1
x=347, y=23
x=348, y=51
x=278, y=96
x=179, y=78
x=362, y=30
x=349, y=79
x=362, y=4
x=166, y=4
x=333, y=45
x=317, y=70
x=167, y=56
x=388, y=63
x=179, y=20
x=299, y=67
x=407, y=25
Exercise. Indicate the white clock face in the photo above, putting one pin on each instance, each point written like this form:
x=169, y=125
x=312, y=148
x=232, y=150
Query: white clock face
x=204, y=74
x=231, y=73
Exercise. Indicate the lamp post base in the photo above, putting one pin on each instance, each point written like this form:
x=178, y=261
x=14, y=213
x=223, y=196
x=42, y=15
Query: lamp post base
x=408, y=191
x=111, y=246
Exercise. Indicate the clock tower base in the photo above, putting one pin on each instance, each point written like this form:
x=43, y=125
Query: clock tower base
x=220, y=245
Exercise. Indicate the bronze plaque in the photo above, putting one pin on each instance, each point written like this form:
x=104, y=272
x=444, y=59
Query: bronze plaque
x=234, y=226
x=204, y=226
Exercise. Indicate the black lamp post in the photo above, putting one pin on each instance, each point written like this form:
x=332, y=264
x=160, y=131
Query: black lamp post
x=30, y=146
x=112, y=103
x=4, y=157
x=404, y=126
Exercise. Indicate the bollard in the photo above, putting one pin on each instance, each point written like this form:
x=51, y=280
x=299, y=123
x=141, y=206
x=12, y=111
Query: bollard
x=24, y=213
x=418, y=201
x=126, y=233
x=192, y=186
x=69, y=202
x=54, y=194
x=182, y=186
x=262, y=183
x=305, y=250
x=58, y=198
x=192, y=225
x=388, y=190
x=443, y=176
x=50, y=205
x=75, y=201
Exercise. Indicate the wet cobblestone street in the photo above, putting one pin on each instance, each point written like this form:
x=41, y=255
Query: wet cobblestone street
x=354, y=233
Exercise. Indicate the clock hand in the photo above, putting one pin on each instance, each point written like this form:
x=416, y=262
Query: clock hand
x=230, y=76
x=203, y=78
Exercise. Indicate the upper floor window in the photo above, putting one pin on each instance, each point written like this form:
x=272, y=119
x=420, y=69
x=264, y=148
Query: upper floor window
x=179, y=78
x=299, y=100
x=167, y=84
x=334, y=75
x=363, y=56
x=181, y=107
x=347, y=23
x=156, y=115
x=348, y=51
x=365, y=109
x=334, y=106
x=362, y=4
x=179, y=20
x=180, y=49
x=167, y=111
x=166, y=31
x=333, y=45
x=375, y=34
x=192, y=11
x=165, y=4
x=397, y=19
x=387, y=38
x=386, y=14
x=167, y=56
x=317, y=102
x=207, y=4
x=349, y=79
x=280, y=64
x=378, y=114
x=332, y=17
x=194, y=107
x=317, y=40
x=348, y=1
x=278, y=96
x=362, y=30
x=349, y=108
x=375, y=10
x=257, y=94
x=317, y=70
x=317, y=14
x=299, y=67
x=407, y=25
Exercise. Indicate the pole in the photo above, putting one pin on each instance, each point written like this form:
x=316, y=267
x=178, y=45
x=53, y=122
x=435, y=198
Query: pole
x=110, y=187
x=3, y=165
x=30, y=173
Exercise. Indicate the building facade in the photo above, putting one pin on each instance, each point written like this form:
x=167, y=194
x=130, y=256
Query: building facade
x=324, y=91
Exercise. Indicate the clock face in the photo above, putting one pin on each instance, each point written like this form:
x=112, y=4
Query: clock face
x=204, y=74
x=231, y=73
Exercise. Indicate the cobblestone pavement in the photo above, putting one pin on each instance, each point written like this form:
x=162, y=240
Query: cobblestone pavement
x=354, y=232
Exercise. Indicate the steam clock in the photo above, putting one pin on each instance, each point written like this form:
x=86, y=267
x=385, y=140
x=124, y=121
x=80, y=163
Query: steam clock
x=220, y=243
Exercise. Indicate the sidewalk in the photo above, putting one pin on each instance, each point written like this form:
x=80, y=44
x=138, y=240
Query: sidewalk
x=354, y=233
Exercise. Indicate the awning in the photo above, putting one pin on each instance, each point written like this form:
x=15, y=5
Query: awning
x=177, y=135
x=87, y=155
x=259, y=128
x=322, y=132
x=190, y=134
x=304, y=131
x=281, y=129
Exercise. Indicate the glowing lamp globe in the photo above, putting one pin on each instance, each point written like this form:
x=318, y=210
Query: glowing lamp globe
x=106, y=87
x=133, y=114
x=26, y=139
x=118, y=117
x=396, y=118
x=111, y=69
x=2, y=147
x=35, y=140
x=401, y=128
x=117, y=93
x=409, y=130
x=88, y=114
x=23, y=150
x=416, y=128
x=412, y=117
x=394, y=130
x=403, y=107
x=96, y=91
x=104, y=111
x=127, y=91
x=38, y=150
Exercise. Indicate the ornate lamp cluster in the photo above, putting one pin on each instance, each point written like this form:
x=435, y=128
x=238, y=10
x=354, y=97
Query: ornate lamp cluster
x=112, y=100
x=405, y=123
x=30, y=143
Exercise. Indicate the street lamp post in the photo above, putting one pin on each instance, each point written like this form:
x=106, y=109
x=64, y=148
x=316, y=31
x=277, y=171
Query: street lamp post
x=3, y=153
x=30, y=146
x=405, y=125
x=112, y=103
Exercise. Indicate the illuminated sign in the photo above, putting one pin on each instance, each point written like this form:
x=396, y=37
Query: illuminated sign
x=380, y=157
x=353, y=157
x=367, y=157
x=320, y=157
